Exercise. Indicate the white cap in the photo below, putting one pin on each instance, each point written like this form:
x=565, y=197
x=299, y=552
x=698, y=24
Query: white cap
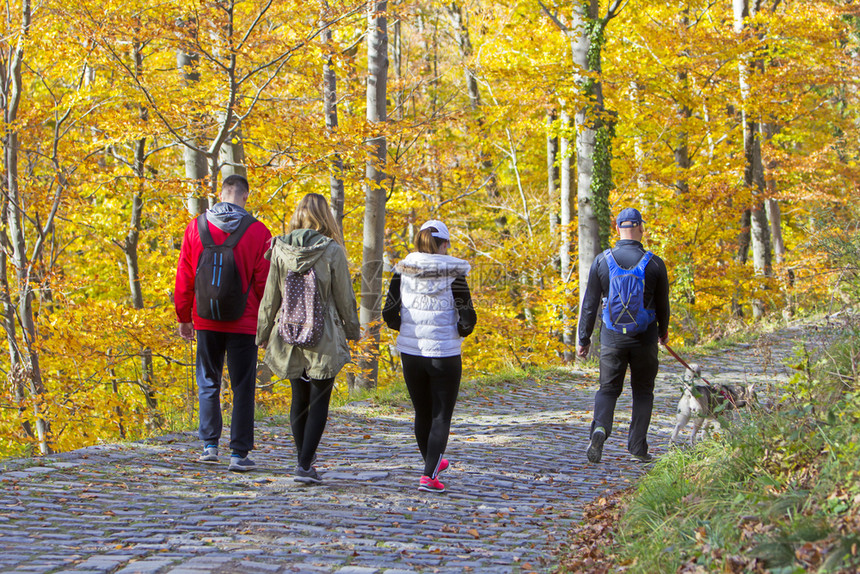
x=441, y=229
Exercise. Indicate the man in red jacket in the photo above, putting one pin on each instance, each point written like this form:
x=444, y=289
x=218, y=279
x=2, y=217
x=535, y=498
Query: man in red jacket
x=219, y=338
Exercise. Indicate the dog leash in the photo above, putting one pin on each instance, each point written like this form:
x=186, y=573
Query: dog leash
x=719, y=389
x=683, y=362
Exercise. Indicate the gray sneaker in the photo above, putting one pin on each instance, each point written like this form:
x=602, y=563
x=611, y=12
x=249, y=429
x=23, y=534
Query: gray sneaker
x=309, y=476
x=595, y=447
x=241, y=464
x=210, y=454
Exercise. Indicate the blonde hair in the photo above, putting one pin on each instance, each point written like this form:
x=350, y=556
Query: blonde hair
x=312, y=212
x=426, y=243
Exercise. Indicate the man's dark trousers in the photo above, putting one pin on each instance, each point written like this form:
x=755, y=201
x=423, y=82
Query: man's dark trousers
x=241, y=353
x=643, y=365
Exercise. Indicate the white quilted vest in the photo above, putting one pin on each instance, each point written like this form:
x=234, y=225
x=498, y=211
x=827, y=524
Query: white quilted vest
x=428, y=318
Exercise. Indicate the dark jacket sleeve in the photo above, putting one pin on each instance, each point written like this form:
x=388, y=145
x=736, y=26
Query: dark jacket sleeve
x=590, y=304
x=463, y=302
x=661, y=298
x=391, y=310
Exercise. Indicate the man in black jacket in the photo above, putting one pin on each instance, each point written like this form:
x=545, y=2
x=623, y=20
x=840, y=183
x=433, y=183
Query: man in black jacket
x=618, y=350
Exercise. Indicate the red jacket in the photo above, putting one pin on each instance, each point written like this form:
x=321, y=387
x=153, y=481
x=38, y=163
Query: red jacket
x=249, y=258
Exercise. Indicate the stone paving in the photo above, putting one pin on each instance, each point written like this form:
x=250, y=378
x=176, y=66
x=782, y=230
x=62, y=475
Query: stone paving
x=518, y=482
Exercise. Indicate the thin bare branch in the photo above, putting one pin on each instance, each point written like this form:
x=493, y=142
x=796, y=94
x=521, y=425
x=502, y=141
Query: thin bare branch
x=554, y=17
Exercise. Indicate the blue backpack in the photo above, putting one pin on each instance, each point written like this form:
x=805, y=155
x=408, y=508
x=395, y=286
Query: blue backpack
x=624, y=308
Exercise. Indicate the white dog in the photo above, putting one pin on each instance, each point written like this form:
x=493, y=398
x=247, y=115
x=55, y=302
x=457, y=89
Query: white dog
x=704, y=402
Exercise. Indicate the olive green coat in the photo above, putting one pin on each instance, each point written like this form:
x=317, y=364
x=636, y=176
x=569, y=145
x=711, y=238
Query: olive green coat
x=298, y=251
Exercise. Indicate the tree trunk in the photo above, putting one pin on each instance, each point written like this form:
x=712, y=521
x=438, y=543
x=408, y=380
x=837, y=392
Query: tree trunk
x=460, y=27
x=27, y=366
x=742, y=257
x=132, y=241
x=586, y=122
x=774, y=217
x=753, y=166
x=744, y=237
x=16, y=377
x=195, y=162
x=638, y=148
x=331, y=125
x=464, y=44
x=682, y=111
x=771, y=204
x=397, y=56
x=232, y=156
x=568, y=312
x=552, y=176
x=374, y=204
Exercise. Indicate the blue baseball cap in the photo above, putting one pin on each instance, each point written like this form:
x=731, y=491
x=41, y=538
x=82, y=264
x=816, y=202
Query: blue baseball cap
x=628, y=217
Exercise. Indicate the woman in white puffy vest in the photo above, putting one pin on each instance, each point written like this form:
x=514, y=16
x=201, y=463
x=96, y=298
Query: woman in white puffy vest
x=429, y=303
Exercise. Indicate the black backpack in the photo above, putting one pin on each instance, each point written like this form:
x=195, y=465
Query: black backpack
x=217, y=283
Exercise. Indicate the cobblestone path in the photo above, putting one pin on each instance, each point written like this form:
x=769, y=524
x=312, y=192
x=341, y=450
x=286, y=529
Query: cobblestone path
x=518, y=481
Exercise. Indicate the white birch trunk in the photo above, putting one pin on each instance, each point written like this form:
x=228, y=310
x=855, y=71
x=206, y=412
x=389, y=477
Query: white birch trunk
x=374, y=204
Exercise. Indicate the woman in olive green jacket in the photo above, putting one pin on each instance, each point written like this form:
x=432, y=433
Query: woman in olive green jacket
x=313, y=240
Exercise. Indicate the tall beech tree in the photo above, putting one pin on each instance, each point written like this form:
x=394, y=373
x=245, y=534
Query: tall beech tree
x=594, y=129
x=748, y=67
x=374, y=191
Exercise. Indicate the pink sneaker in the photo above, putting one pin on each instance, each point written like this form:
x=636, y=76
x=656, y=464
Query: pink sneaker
x=443, y=465
x=428, y=484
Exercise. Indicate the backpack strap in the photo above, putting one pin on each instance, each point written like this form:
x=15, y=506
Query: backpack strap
x=639, y=268
x=611, y=262
x=232, y=239
x=643, y=263
x=203, y=231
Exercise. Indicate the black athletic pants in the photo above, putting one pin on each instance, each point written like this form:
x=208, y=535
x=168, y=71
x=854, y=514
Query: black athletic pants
x=643, y=365
x=433, y=384
x=308, y=415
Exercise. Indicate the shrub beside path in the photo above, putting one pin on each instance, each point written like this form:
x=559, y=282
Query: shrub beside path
x=518, y=482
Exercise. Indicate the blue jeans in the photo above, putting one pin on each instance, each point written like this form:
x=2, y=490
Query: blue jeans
x=643, y=365
x=241, y=353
